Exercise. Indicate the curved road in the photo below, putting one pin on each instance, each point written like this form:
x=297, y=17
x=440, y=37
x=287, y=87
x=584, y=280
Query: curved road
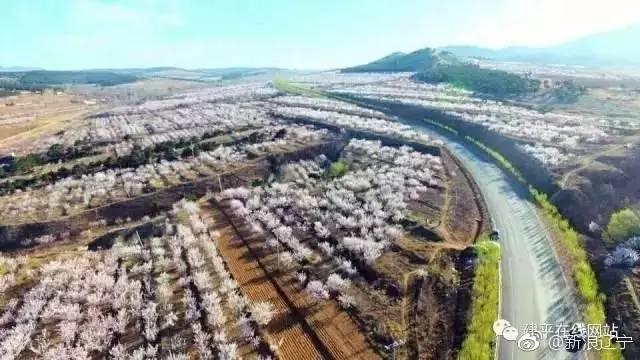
x=534, y=290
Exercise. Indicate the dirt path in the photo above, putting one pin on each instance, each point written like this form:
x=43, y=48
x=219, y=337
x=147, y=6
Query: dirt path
x=449, y=194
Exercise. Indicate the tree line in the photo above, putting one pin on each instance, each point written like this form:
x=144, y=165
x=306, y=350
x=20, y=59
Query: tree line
x=43, y=79
x=138, y=156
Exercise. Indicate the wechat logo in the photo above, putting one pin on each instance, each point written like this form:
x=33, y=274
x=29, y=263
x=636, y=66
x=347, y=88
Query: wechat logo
x=503, y=328
x=527, y=342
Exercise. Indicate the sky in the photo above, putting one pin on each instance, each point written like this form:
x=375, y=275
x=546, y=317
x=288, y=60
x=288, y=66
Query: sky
x=301, y=34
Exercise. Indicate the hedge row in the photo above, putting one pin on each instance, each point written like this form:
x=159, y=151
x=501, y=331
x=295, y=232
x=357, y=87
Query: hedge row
x=479, y=343
x=583, y=274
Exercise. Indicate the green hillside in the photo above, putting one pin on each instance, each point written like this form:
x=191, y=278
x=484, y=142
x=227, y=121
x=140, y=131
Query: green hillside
x=490, y=82
x=433, y=66
x=399, y=62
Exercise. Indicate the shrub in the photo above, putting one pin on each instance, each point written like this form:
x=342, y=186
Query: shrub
x=623, y=225
x=25, y=163
x=480, y=340
x=338, y=169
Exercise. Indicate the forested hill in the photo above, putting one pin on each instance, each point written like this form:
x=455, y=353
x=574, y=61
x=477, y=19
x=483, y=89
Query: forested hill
x=495, y=83
x=433, y=66
x=399, y=62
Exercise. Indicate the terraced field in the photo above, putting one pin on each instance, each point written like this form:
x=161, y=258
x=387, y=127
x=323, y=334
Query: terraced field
x=218, y=228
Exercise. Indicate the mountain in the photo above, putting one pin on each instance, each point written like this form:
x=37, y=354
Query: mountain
x=437, y=66
x=400, y=62
x=613, y=48
x=619, y=45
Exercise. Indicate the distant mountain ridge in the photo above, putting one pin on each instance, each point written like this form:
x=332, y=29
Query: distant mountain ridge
x=37, y=80
x=18, y=69
x=618, y=47
x=23, y=78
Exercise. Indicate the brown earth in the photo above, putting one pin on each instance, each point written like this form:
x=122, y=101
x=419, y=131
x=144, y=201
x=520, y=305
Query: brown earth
x=439, y=307
x=333, y=333
x=594, y=192
x=623, y=305
x=26, y=118
x=286, y=328
x=467, y=215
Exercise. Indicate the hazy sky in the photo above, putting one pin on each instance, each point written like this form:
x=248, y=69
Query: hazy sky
x=68, y=34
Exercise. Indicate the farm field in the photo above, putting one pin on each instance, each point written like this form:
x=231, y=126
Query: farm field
x=30, y=116
x=334, y=332
x=223, y=222
x=134, y=287
x=312, y=253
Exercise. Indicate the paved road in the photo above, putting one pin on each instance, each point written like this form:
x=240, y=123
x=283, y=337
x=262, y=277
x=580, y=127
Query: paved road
x=534, y=290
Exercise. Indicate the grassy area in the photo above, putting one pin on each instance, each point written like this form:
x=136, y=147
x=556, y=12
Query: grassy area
x=296, y=89
x=506, y=164
x=303, y=90
x=479, y=343
x=570, y=238
x=24, y=164
x=583, y=275
x=442, y=126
